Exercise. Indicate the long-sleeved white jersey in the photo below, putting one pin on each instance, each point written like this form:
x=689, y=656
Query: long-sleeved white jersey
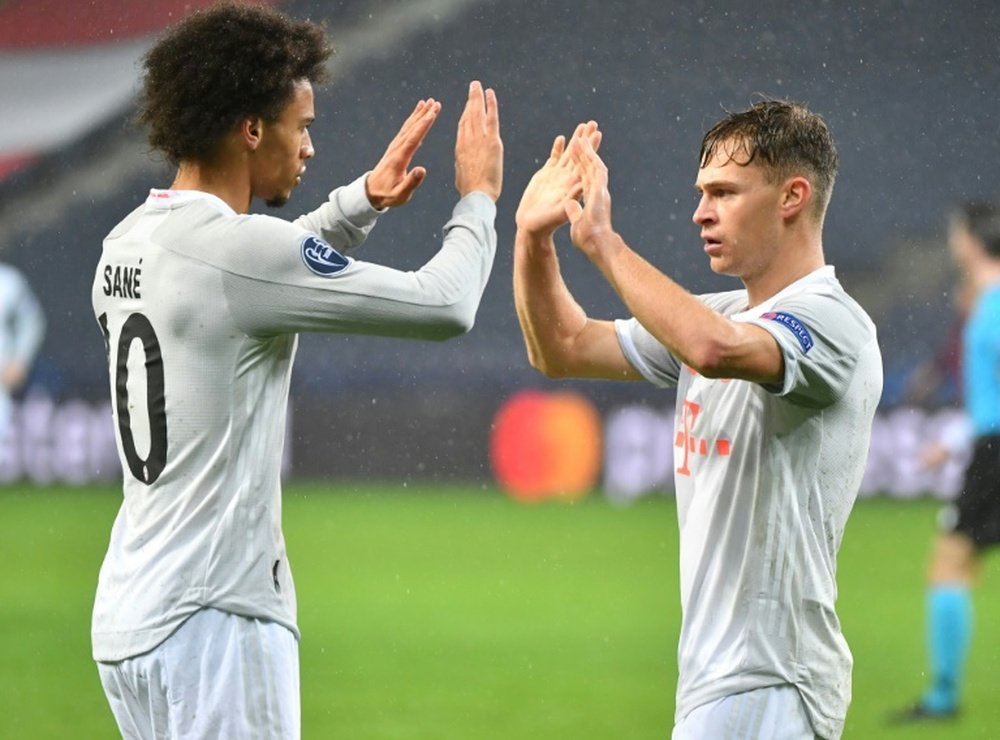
x=200, y=309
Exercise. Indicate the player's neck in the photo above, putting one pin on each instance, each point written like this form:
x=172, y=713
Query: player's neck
x=784, y=268
x=227, y=183
x=986, y=275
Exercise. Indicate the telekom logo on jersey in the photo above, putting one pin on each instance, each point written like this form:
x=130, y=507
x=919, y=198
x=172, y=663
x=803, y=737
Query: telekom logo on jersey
x=692, y=445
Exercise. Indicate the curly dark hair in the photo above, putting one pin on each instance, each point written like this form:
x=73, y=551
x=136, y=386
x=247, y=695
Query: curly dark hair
x=789, y=139
x=219, y=65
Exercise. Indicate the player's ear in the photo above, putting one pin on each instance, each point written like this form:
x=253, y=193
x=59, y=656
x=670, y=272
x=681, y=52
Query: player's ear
x=250, y=130
x=795, y=196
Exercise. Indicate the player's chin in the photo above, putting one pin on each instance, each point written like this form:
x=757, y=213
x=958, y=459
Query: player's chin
x=721, y=267
x=278, y=201
x=718, y=265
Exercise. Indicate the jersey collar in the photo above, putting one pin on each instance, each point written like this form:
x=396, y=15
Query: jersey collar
x=819, y=276
x=174, y=198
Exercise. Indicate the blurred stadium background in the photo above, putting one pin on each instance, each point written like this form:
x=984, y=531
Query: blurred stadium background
x=910, y=90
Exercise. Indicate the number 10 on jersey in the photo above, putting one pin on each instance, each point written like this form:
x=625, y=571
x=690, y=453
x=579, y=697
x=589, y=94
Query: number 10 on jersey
x=138, y=328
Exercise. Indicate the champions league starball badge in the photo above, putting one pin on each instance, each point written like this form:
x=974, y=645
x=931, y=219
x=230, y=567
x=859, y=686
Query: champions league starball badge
x=321, y=258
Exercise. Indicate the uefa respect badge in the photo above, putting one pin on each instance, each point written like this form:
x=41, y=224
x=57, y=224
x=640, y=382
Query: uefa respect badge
x=794, y=325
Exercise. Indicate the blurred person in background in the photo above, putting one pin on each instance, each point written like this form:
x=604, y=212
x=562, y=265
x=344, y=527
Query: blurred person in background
x=777, y=386
x=972, y=523
x=941, y=377
x=938, y=378
x=194, y=624
x=21, y=335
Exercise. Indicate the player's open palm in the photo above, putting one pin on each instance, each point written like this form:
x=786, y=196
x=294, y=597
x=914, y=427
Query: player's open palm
x=391, y=183
x=478, y=147
x=592, y=219
x=543, y=205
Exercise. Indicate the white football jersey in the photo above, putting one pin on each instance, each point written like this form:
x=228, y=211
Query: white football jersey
x=200, y=307
x=765, y=480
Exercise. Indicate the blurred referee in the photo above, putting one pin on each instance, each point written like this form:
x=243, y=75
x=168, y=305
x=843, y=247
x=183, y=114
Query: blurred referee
x=972, y=523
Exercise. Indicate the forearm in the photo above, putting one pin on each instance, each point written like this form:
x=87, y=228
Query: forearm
x=457, y=275
x=437, y=301
x=550, y=317
x=345, y=219
x=701, y=338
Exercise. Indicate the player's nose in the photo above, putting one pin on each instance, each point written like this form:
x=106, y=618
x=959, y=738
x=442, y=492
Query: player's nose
x=702, y=213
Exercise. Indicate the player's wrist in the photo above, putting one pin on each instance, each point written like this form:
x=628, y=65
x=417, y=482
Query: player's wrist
x=540, y=225
x=490, y=189
x=378, y=202
x=535, y=240
x=377, y=197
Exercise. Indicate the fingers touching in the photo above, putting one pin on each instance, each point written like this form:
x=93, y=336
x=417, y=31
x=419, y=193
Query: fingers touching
x=582, y=149
x=557, y=185
x=573, y=167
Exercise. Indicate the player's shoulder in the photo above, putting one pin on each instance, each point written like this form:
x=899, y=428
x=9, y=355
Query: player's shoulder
x=126, y=224
x=253, y=229
x=13, y=280
x=274, y=239
x=202, y=229
x=987, y=306
x=264, y=246
x=825, y=299
x=9, y=272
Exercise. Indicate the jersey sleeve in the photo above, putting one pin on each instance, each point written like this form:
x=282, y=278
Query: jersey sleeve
x=290, y=280
x=821, y=335
x=654, y=362
x=345, y=219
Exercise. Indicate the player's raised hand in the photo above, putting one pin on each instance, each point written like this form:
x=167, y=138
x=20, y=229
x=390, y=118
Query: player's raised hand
x=542, y=209
x=390, y=183
x=478, y=147
x=591, y=219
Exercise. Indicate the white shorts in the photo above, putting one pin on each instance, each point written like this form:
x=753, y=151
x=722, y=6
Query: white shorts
x=218, y=676
x=772, y=713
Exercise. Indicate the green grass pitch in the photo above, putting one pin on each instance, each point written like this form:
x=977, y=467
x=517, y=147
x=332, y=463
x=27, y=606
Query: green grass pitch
x=456, y=613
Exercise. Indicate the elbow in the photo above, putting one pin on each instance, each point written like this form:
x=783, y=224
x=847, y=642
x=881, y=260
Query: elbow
x=710, y=360
x=555, y=372
x=548, y=365
x=455, y=324
x=541, y=365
